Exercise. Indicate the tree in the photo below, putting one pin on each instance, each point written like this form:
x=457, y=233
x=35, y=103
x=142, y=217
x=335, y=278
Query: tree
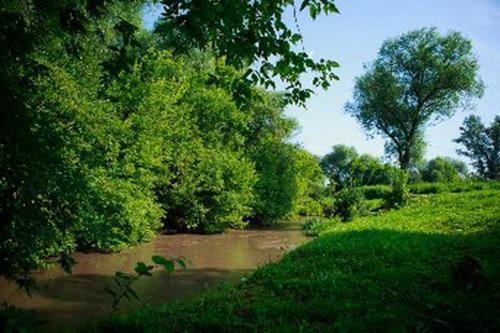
x=460, y=166
x=338, y=166
x=416, y=153
x=105, y=135
x=443, y=169
x=247, y=32
x=61, y=138
x=417, y=79
x=310, y=182
x=368, y=170
x=344, y=167
x=481, y=145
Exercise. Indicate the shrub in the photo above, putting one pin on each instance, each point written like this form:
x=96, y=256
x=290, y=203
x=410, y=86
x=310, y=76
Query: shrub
x=375, y=191
x=442, y=169
x=276, y=187
x=349, y=203
x=310, y=184
x=309, y=207
x=428, y=188
x=328, y=206
x=316, y=226
x=398, y=196
x=463, y=186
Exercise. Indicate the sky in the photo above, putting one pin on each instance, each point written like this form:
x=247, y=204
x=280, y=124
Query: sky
x=353, y=38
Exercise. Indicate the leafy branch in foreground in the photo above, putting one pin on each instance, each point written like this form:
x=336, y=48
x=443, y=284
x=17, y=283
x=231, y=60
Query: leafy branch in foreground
x=124, y=282
x=250, y=32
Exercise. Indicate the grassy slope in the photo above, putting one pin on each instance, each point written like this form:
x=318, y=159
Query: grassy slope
x=388, y=272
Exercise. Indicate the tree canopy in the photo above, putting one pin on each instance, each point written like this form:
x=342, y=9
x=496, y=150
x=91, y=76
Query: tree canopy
x=251, y=32
x=417, y=79
x=481, y=144
x=444, y=169
x=108, y=136
x=344, y=167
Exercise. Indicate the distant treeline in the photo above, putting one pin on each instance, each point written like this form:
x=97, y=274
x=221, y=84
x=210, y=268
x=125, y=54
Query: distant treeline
x=345, y=167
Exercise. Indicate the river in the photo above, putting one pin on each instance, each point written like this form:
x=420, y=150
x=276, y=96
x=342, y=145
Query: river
x=72, y=301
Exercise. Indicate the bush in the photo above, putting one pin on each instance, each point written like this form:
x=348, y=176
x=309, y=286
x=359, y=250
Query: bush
x=427, y=188
x=276, y=187
x=309, y=207
x=328, y=206
x=444, y=169
x=349, y=203
x=310, y=184
x=398, y=196
x=457, y=187
x=316, y=226
x=375, y=191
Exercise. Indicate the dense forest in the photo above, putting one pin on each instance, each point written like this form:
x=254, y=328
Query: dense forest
x=109, y=134
x=112, y=133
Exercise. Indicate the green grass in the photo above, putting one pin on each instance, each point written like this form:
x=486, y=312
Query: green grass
x=380, y=191
x=390, y=272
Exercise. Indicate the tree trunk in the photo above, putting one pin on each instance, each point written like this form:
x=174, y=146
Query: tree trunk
x=404, y=159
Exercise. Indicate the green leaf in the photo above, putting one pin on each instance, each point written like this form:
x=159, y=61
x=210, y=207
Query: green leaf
x=166, y=263
x=142, y=269
x=304, y=4
x=181, y=262
x=313, y=11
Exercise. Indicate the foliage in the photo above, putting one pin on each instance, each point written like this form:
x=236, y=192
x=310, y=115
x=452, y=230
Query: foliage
x=245, y=33
x=310, y=184
x=368, y=170
x=463, y=186
x=106, y=136
x=17, y=320
x=375, y=191
x=276, y=188
x=416, y=151
x=418, y=78
x=61, y=138
x=338, y=165
x=344, y=167
x=315, y=226
x=481, y=145
x=328, y=205
x=125, y=282
x=289, y=180
x=349, y=203
x=398, y=196
x=400, y=263
x=442, y=169
x=381, y=191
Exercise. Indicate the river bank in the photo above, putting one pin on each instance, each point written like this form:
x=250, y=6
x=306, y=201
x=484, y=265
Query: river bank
x=74, y=301
x=432, y=266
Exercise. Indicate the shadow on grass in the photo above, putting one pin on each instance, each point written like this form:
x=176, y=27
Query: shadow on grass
x=366, y=280
x=369, y=280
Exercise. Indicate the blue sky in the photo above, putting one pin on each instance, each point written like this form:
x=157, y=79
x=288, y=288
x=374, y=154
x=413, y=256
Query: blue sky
x=354, y=37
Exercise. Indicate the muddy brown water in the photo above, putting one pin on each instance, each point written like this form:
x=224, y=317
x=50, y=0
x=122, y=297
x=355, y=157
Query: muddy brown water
x=71, y=302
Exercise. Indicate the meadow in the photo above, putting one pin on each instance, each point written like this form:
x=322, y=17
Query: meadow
x=433, y=265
